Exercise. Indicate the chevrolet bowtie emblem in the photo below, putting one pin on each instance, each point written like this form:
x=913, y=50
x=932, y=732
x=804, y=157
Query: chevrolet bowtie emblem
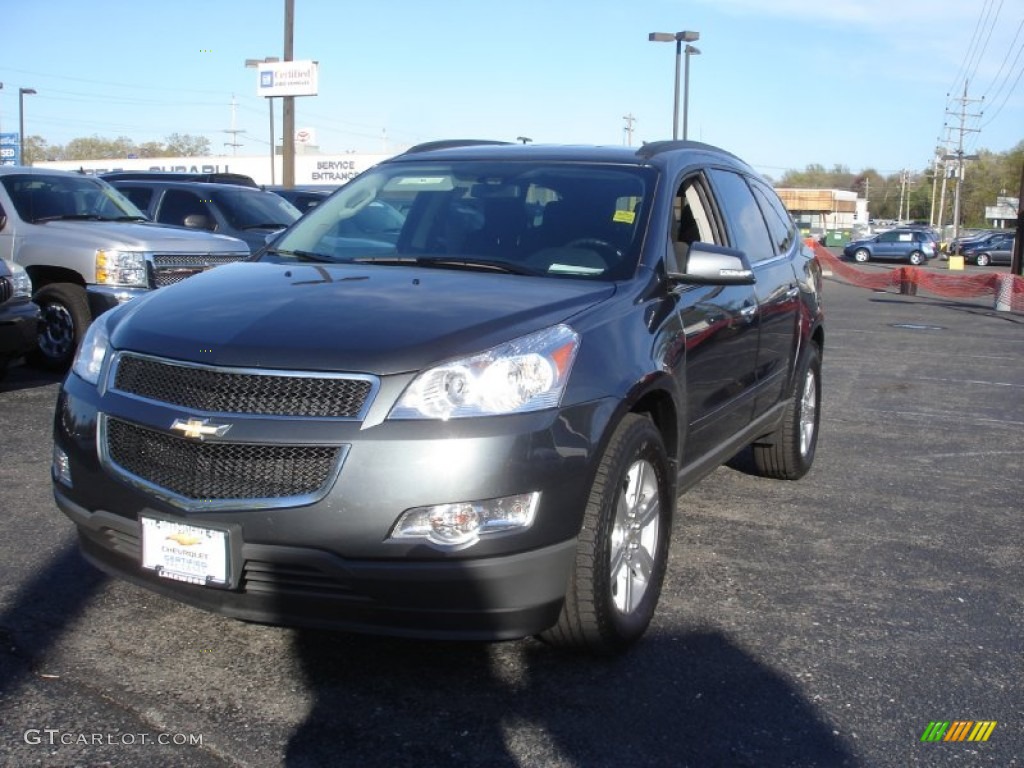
x=201, y=428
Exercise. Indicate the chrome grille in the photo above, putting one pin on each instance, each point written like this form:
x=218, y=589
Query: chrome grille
x=217, y=471
x=222, y=390
x=170, y=268
x=6, y=289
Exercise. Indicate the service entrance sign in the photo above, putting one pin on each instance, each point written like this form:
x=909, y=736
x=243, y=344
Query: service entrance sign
x=288, y=78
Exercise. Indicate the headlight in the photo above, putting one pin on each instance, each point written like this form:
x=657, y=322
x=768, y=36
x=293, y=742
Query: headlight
x=20, y=280
x=93, y=351
x=526, y=374
x=121, y=268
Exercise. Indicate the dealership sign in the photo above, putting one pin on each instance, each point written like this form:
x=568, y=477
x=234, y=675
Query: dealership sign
x=288, y=78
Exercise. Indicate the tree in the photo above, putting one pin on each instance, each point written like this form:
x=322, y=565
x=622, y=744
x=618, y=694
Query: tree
x=35, y=149
x=186, y=145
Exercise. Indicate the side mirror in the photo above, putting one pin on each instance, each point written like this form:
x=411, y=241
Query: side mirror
x=708, y=264
x=198, y=221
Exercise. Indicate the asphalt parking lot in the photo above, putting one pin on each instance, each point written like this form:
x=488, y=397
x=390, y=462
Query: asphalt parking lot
x=826, y=622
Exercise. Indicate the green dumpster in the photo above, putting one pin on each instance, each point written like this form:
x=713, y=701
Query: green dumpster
x=837, y=237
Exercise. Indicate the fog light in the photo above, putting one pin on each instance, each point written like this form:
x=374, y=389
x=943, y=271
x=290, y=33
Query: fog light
x=61, y=467
x=464, y=522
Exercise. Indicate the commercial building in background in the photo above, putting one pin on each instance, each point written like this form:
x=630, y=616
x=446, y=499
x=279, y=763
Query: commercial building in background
x=832, y=213
x=332, y=170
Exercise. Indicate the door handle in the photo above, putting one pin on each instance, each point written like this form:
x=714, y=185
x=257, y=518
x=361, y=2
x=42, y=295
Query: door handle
x=749, y=312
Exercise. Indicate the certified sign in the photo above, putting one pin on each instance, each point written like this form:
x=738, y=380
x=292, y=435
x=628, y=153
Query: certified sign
x=185, y=552
x=288, y=78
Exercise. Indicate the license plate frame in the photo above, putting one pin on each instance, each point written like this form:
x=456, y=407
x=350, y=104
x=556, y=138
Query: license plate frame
x=186, y=552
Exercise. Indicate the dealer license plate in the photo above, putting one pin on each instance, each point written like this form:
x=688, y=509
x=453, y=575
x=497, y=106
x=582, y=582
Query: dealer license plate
x=184, y=552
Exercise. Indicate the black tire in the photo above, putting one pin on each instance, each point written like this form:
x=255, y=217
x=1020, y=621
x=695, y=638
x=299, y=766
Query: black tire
x=861, y=255
x=982, y=259
x=788, y=453
x=66, y=318
x=621, y=556
x=917, y=258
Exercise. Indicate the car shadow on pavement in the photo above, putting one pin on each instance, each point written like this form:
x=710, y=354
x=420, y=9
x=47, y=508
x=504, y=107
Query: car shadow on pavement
x=694, y=699
x=24, y=377
x=40, y=612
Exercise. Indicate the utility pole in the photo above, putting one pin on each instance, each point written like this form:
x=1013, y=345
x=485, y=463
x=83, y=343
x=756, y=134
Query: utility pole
x=234, y=144
x=960, y=157
x=1017, y=258
x=629, y=128
x=288, y=102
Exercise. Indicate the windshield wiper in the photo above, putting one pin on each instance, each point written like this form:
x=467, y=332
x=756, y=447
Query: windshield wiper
x=481, y=264
x=128, y=218
x=70, y=217
x=302, y=255
x=264, y=225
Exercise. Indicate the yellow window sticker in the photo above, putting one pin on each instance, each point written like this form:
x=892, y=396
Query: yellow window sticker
x=624, y=217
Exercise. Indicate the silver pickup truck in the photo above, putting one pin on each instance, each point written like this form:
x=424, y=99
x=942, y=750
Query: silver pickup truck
x=87, y=248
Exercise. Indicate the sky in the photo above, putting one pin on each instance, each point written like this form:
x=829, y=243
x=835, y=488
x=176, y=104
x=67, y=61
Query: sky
x=782, y=83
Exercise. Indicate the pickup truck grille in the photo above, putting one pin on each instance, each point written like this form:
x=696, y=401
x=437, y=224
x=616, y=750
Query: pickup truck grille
x=217, y=471
x=6, y=289
x=170, y=268
x=241, y=391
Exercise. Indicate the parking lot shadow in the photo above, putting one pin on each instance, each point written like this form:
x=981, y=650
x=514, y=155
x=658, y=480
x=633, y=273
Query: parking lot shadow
x=689, y=700
x=39, y=613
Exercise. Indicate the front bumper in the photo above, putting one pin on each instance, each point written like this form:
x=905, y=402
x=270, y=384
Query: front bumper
x=19, y=328
x=330, y=563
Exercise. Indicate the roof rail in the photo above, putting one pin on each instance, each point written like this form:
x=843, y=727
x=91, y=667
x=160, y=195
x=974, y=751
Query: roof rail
x=653, y=148
x=450, y=144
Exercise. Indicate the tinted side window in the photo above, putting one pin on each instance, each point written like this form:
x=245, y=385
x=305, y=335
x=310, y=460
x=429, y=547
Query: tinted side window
x=140, y=196
x=888, y=237
x=177, y=204
x=747, y=229
x=780, y=224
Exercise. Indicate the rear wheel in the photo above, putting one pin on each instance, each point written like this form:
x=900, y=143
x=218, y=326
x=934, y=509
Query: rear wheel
x=917, y=258
x=788, y=453
x=861, y=255
x=66, y=317
x=983, y=260
x=623, y=545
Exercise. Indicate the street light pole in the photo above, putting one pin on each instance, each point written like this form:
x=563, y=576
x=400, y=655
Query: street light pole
x=690, y=51
x=686, y=36
x=255, y=63
x=21, y=122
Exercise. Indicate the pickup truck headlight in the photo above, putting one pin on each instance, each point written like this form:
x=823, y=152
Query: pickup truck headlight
x=20, y=280
x=121, y=268
x=93, y=350
x=525, y=374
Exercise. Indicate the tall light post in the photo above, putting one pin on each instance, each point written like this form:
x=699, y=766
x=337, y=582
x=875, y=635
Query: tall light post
x=686, y=36
x=254, y=64
x=690, y=51
x=21, y=122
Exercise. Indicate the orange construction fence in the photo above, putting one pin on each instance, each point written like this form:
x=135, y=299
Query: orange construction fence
x=1006, y=290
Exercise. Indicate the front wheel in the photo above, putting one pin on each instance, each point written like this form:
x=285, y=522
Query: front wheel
x=861, y=255
x=982, y=260
x=917, y=258
x=622, y=549
x=66, y=317
x=787, y=454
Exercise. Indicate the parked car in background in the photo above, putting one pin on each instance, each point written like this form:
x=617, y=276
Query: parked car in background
x=912, y=245
x=19, y=317
x=220, y=177
x=994, y=249
x=86, y=249
x=248, y=214
x=476, y=429
x=303, y=197
x=969, y=237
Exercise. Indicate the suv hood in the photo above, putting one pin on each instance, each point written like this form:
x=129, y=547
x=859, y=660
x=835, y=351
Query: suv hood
x=356, y=318
x=140, y=236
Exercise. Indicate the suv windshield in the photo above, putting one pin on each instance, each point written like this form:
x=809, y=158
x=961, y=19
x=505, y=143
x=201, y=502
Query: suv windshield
x=45, y=197
x=557, y=219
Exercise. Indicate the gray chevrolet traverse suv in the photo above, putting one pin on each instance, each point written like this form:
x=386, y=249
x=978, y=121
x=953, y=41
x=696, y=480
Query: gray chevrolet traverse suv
x=475, y=427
